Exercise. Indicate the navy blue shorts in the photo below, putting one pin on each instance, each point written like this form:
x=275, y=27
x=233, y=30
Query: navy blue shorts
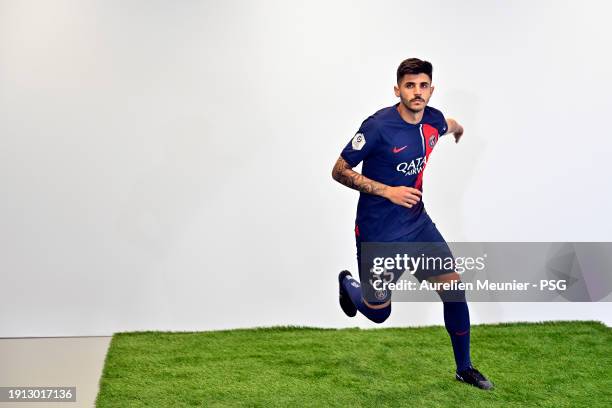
x=425, y=242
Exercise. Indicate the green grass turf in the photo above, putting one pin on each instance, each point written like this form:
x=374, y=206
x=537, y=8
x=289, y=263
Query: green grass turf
x=551, y=364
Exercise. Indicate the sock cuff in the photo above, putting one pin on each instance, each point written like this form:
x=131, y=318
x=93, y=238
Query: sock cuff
x=453, y=295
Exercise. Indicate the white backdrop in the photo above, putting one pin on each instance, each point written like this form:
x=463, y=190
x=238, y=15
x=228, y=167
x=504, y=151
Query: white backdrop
x=167, y=165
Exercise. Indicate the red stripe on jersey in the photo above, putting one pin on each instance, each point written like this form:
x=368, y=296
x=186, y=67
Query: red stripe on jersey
x=430, y=138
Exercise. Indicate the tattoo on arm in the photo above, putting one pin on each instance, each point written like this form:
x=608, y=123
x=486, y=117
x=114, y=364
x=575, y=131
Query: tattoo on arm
x=344, y=174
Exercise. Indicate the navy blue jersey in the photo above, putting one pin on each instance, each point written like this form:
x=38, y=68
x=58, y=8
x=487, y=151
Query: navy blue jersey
x=394, y=152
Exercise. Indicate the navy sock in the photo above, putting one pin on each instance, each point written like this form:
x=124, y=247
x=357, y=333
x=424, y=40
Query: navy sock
x=457, y=322
x=353, y=288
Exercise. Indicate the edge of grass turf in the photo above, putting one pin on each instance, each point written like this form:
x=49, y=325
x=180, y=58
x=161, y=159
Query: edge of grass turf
x=280, y=328
x=287, y=328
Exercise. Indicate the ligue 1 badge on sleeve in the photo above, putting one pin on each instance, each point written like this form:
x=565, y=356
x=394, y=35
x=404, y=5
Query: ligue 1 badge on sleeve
x=432, y=141
x=358, y=141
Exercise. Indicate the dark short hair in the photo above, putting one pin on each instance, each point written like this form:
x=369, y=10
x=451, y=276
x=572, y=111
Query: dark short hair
x=414, y=66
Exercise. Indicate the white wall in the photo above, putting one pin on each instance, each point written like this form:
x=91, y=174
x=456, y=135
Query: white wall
x=166, y=165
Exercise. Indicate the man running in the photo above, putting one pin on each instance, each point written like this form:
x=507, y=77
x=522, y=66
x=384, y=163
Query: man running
x=394, y=144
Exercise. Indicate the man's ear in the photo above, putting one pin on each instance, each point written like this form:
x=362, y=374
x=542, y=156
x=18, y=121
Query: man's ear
x=397, y=92
x=432, y=89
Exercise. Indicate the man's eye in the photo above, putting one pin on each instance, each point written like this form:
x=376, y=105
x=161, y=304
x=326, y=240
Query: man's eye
x=424, y=86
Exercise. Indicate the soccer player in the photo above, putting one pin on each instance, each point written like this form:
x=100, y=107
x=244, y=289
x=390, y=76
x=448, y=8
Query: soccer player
x=394, y=144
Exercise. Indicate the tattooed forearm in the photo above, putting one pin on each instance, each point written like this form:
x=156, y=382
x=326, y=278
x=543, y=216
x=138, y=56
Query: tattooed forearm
x=344, y=174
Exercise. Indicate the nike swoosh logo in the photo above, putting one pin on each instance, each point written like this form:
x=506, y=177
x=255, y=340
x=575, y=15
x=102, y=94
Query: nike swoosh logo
x=397, y=150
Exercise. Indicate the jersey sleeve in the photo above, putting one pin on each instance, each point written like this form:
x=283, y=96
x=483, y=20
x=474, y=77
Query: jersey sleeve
x=363, y=144
x=438, y=121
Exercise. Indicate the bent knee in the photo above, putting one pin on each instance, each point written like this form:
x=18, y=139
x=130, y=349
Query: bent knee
x=381, y=315
x=379, y=319
x=377, y=306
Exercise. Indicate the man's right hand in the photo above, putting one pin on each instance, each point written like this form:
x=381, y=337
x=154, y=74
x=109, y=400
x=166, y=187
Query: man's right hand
x=402, y=195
